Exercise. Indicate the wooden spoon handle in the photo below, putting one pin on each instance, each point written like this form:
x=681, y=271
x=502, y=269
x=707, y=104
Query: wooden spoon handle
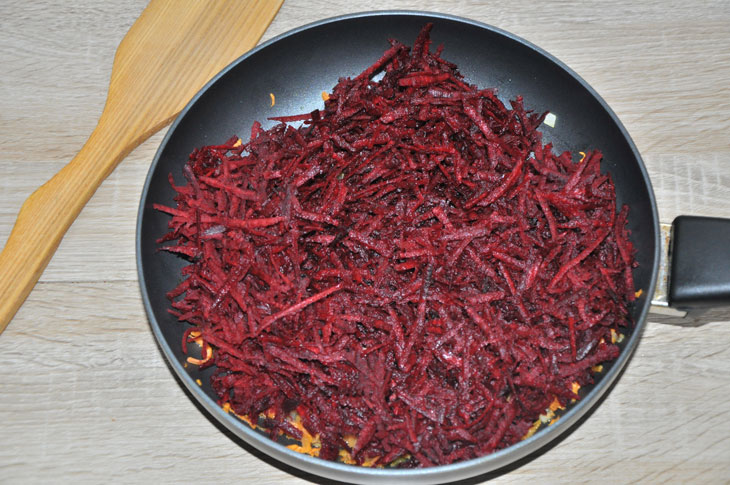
x=48, y=213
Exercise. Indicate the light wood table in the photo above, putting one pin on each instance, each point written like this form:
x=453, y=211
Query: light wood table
x=85, y=395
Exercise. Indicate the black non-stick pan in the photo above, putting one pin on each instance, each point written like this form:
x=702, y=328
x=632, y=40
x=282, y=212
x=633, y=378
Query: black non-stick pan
x=296, y=67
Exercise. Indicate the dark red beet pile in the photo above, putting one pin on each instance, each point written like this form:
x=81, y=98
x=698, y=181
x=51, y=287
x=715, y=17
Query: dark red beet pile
x=411, y=266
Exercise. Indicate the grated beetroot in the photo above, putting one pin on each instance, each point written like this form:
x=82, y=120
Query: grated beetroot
x=411, y=267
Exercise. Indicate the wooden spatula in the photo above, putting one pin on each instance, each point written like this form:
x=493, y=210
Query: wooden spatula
x=170, y=52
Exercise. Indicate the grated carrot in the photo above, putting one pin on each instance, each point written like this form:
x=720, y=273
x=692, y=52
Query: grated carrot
x=208, y=356
x=555, y=405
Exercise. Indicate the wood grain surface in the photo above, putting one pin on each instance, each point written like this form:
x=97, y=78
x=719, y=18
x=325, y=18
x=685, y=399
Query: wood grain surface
x=86, y=396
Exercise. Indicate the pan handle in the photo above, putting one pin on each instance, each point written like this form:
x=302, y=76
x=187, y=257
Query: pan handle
x=696, y=272
x=699, y=274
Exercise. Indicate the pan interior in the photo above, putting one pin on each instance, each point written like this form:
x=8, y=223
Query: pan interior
x=298, y=66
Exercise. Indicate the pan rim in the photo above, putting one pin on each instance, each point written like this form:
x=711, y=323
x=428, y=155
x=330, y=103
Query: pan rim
x=454, y=471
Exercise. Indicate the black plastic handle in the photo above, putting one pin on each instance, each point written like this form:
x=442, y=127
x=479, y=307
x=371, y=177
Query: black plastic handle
x=699, y=275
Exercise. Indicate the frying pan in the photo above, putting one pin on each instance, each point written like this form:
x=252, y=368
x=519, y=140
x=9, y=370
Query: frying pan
x=296, y=67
